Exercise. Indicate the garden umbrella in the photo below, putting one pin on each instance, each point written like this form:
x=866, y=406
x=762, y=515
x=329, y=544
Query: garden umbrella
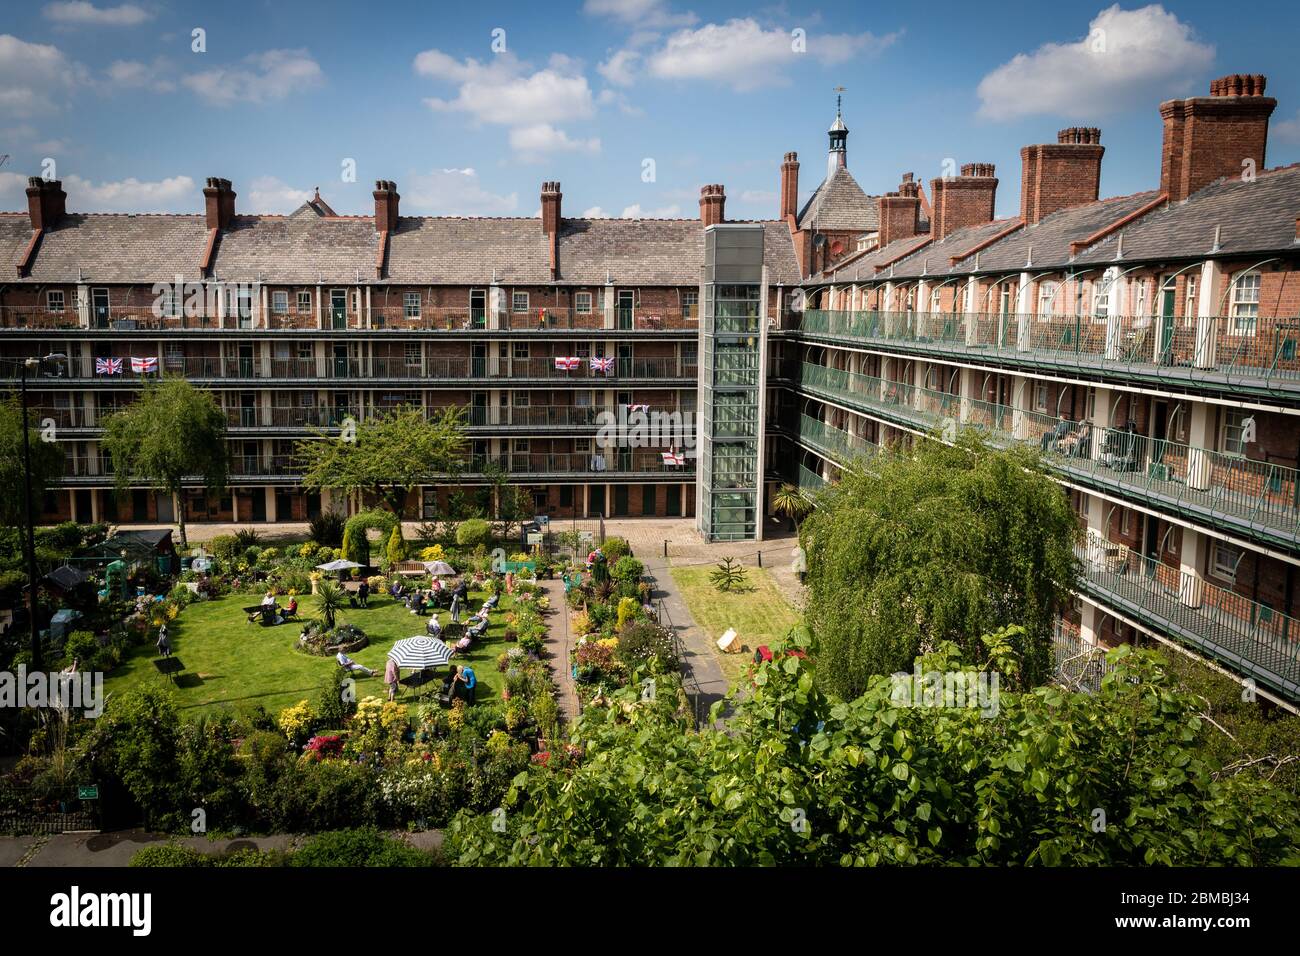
x=420, y=652
x=339, y=565
x=440, y=569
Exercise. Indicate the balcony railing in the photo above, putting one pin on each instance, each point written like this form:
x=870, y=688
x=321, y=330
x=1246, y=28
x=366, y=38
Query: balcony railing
x=1260, y=497
x=1078, y=663
x=810, y=480
x=1255, y=352
x=838, y=444
x=1254, y=639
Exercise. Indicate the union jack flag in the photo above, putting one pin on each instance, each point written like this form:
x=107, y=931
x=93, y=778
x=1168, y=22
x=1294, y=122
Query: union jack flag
x=108, y=366
x=602, y=365
x=567, y=363
x=143, y=366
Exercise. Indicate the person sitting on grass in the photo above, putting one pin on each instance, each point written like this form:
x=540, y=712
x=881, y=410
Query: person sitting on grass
x=351, y=666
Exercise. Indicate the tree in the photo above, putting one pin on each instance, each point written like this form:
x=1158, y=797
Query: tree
x=801, y=778
x=388, y=455
x=793, y=503
x=47, y=461
x=936, y=543
x=728, y=575
x=396, y=551
x=330, y=599
x=173, y=433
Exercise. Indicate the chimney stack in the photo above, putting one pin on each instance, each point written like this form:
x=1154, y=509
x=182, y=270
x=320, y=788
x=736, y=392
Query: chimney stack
x=790, y=186
x=965, y=200
x=386, y=200
x=900, y=211
x=1060, y=175
x=46, y=202
x=219, y=202
x=551, y=197
x=713, y=201
x=1209, y=137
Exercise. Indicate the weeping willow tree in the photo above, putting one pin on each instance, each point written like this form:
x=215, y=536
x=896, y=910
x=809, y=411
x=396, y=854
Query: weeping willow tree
x=936, y=543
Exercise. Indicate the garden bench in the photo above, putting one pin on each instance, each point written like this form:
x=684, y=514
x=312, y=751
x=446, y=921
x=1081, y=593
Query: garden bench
x=413, y=569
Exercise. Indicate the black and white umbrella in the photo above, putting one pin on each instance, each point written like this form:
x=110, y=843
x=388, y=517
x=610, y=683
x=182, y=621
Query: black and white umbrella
x=420, y=652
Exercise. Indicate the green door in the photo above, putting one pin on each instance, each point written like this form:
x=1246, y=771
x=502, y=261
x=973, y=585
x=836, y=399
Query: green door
x=1167, y=326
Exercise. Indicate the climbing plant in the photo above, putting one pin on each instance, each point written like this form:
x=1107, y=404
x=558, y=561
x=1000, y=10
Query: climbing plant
x=356, y=544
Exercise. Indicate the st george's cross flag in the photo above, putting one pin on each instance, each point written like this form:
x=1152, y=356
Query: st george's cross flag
x=108, y=366
x=143, y=366
x=567, y=363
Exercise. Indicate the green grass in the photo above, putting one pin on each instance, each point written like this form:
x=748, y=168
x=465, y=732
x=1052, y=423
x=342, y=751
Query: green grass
x=760, y=614
x=231, y=663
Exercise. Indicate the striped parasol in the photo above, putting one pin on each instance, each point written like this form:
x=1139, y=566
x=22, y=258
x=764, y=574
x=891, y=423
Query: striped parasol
x=420, y=652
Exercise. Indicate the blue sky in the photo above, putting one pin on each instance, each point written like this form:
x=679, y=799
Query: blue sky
x=631, y=104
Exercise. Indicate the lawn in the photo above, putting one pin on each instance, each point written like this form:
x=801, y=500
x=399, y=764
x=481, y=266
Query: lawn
x=760, y=614
x=231, y=663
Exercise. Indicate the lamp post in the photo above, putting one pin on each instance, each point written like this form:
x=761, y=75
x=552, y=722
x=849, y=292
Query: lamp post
x=31, y=364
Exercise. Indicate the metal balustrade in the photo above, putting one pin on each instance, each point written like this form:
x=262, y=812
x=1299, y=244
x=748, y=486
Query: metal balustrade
x=810, y=480
x=840, y=445
x=1262, y=498
x=1254, y=639
x=1078, y=663
x=1255, y=352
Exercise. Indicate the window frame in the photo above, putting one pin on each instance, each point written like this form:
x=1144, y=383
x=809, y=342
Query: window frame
x=514, y=303
x=280, y=302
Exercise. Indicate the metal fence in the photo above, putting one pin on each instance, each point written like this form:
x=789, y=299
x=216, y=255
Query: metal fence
x=25, y=810
x=1078, y=664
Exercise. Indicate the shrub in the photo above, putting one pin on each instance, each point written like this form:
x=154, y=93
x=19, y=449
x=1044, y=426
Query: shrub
x=474, y=533
x=335, y=705
x=225, y=547
x=627, y=569
x=296, y=721
x=433, y=553
x=615, y=548
x=396, y=550
x=169, y=855
x=628, y=608
x=645, y=641
x=326, y=529
x=84, y=647
x=246, y=538
x=359, y=847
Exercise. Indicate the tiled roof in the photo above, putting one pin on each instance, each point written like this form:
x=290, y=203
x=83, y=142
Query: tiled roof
x=299, y=251
x=936, y=258
x=111, y=248
x=1258, y=216
x=458, y=251
x=840, y=203
x=649, y=251
x=864, y=268
x=15, y=233
x=1052, y=235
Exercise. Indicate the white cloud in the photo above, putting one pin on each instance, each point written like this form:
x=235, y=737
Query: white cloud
x=595, y=212
x=135, y=75
x=534, y=142
x=272, y=195
x=174, y=194
x=635, y=211
x=1288, y=130
x=620, y=68
x=81, y=13
x=13, y=191
x=34, y=77
x=639, y=13
x=758, y=196
x=454, y=192
x=1126, y=50
x=258, y=78
x=746, y=56
x=503, y=91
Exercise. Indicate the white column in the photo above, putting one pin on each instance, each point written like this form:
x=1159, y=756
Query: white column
x=971, y=310
x=967, y=393
x=1090, y=623
x=318, y=307
x=919, y=375
x=1208, y=292
x=609, y=306
x=1020, y=398
x=923, y=320
x=1101, y=418
x=1191, y=558
x=265, y=313
x=1022, y=312
x=1200, y=439
x=271, y=514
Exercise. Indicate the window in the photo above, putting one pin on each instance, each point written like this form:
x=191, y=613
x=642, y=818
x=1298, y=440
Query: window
x=691, y=304
x=304, y=302
x=521, y=446
x=411, y=354
x=1040, y=397
x=582, y=303
x=582, y=350
x=54, y=300
x=1125, y=521
x=1189, y=303
x=520, y=398
x=582, y=446
x=1223, y=561
x=305, y=350
x=1245, y=304
x=1101, y=294
x=411, y=305
x=169, y=304
x=1140, y=307
x=1046, y=298
x=582, y=399
x=519, y=302
x=1004, y=300
x=521, y=350
x=279, y=302
x=1234, y=437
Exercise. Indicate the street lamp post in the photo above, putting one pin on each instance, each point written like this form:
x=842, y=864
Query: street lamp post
x=32, y=583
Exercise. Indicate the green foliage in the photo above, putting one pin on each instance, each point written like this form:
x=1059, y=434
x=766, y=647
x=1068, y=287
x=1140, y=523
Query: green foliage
x=615, y=548
x=356, y=541
x=790, y=501
x=173, y=431
x=326, y=528
x=937, y=543
x=627, y=569
x=474, y=533
x=359, y=847
x=391, y=453
x=46, y=458
x=330, y=599
x=799, y=778
x=334, y=705
x=729, y=576
x=137, y=741
x=225, y=547
x=169, y=854
x=396, y=551
x=645, y=642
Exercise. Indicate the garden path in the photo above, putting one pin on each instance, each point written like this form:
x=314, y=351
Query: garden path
x=559, y=644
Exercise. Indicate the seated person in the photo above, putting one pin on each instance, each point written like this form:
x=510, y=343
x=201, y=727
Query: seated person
x=268, y=599
x=351, y=666
x=291, y=609
x=433, y=628
x=478, y=629
x=448, y=682
x=491, y=602
x=466, y=681
x=417, y=603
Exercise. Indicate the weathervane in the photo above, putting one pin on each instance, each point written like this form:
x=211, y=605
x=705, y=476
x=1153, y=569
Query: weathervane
x=839, y=91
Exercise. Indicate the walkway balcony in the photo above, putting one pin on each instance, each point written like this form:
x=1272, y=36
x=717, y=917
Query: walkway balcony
x=1243, y=496
x=832, y=442
x=1241, y=354
x=1253, y=639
